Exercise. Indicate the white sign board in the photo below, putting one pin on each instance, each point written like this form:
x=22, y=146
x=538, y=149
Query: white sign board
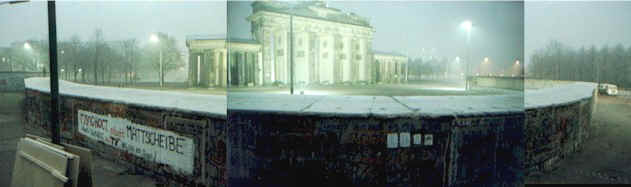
x=150, y=143
x=417, y=139
x=429, y=139
x=404, y=139
x=393, y=140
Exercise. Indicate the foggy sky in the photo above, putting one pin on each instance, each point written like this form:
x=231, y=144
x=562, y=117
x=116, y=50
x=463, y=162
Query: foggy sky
x=407, y=27
x=119, y=20
x=577, y=24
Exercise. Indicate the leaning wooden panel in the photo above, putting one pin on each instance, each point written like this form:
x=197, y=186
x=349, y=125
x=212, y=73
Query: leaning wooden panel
x=80, y=169
x=38, y=165
x=83, y=176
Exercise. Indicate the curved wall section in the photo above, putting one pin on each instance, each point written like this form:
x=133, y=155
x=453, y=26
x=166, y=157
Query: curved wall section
x=284, y=140
x=177, y=138
x=557, y=121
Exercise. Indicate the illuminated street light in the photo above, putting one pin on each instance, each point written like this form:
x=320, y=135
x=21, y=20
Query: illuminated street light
x=154, y=39
x=467, y=25
x=486, y=59
x=517, y=62
x=27, y=46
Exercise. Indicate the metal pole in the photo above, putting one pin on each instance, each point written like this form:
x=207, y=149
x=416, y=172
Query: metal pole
x=291, y=55
x=161, y=72
x=54, y=81
x=468, y=69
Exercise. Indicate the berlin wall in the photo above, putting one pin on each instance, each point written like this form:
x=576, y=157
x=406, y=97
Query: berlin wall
x=14, y=81
x=177, y=138
x=558, y=119
x=375, y=141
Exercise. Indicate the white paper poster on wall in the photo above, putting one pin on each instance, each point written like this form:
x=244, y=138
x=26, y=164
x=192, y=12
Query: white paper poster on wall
x=417, y=139
x=150, y=143
x=429, y=139
x=393, y=140
x=404, y=139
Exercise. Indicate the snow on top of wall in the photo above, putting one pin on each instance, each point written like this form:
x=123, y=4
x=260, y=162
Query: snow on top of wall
x=432, y=106
x=376, y=105
x=464, y=105
x=270, y=102
x=206, y=104
x=558, y=94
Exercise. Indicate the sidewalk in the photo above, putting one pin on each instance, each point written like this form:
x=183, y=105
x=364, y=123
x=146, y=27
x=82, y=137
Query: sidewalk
x=105, y=173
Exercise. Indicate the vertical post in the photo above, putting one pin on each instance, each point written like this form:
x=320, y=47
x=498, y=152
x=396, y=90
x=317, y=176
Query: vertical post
x=54, y=81
x=291, y=54
x=468, y=73
x=161, y=72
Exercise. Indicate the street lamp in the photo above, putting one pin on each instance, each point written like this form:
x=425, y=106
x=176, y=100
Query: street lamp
x=27, y=46
x=75, y=75
x=154, y=38
x=467, y=26
x=64, y=75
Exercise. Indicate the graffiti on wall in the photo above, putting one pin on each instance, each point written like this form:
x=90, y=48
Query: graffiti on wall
x=147, y=142
x=554, y=132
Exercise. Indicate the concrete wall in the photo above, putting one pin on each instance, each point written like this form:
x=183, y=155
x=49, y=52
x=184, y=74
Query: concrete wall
x=14, y=81
x=555, y=130
x=350, y=141
x=205, y=129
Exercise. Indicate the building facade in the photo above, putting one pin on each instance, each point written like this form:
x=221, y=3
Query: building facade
x=329, y=47
x=207, y=61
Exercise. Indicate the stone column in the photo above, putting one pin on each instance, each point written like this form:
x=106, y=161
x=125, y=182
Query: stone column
x=224, y=64
x=191, y=78
x=260, y=69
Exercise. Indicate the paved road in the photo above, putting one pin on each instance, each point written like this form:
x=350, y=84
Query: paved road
x=605, y=157
x=106, y=174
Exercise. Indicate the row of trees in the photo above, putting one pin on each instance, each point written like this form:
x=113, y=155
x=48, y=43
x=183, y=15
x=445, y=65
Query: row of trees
x=96, y=60
x=603, y=65
x=435, y=68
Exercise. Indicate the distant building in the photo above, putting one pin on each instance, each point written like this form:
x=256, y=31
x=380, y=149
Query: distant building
x=391, y=67
x=330, y=47
x=207, y=61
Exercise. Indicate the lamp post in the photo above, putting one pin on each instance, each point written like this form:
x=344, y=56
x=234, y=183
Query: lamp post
x=154, y=38
x=291, y=54
x=64, y=75
x=28, y=48
x=79, y=71
x=518, y=67
x=486, y=66
x=467, y=25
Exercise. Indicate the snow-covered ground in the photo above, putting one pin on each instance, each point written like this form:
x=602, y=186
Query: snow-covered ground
x=213, y=105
